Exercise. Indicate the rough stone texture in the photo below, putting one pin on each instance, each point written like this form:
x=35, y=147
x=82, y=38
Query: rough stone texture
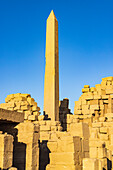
x=13, y=116
x=28, y=133
x=22, y=103
x=51, y=84
x=96, y=103
x=66, y=152
x=63, y=111
x=6, y=151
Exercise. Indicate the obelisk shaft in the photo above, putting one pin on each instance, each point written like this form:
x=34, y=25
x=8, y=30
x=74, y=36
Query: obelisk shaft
x=51, y=84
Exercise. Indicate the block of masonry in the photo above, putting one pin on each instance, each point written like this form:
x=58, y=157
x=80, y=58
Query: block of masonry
x=65, y=152
x=92, y=164
x=22, y=103
x=63, y=112
x=6, y=151
x=28, y=133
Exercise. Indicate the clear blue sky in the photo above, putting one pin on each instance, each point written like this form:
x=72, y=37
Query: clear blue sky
x=85, y=45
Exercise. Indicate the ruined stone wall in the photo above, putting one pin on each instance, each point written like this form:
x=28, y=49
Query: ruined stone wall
x=95, y=107
x=63, y=111
x=49, y=130
x=83, y=141
x=96, y=103
x=66, y=153
x=23, y=103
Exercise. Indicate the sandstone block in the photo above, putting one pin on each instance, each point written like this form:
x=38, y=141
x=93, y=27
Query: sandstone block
x=41, y=117
x=26, y=107
x=89, y=97
x=9, y=97
x=44, y=136
x=92, y=89
x=104, y=130
x=85, y=145
x=79, y=129
x=17, y=99
x=93, y=152
x=53, y=146
x=30, y=101
x=97, y=96
x=86, y=86
x=93, y=142
x=45, y=128
x=103, y=136
x=85, y=90
x=109, y=91
x=102, y=153
x=32, y=117
x=105, y=96
x=90, y=164
x=97, y=124
x=36, y=113
x=66, y=158
x=6, y=151
x=107, y=79
x=95, y=107
x=35, y=108
x=4, y=105
x=94, y=102
x=26, y=114
x=101, y=119
x=104, y=163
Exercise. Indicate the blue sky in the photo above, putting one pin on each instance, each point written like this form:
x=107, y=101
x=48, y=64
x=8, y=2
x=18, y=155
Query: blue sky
x=85, y=45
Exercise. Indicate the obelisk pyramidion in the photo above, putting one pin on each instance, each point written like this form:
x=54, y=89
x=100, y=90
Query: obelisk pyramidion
x=51, y=84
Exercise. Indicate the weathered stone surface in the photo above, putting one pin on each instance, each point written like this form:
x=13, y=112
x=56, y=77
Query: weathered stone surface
x=11, y=115
x=51, y=84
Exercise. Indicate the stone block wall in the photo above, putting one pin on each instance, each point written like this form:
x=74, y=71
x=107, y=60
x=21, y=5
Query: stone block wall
x=63, y=111
x=83, y=141
x=28, y=133
x=66, y=153
x=22, y=103
x=95, y=102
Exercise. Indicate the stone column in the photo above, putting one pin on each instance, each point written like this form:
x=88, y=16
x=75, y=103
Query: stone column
x=51, y=85
x=6, y=151
x=28, y=133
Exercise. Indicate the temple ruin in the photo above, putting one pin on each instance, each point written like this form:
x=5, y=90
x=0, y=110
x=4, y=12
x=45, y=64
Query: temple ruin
x=58, y=139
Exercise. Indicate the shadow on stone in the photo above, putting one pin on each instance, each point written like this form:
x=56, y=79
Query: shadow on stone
x=43, y=155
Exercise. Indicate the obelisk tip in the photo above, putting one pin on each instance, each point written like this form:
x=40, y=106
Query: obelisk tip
x=52, y=15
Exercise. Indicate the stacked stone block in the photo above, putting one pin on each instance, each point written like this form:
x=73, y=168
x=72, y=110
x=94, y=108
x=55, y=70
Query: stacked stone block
x=100, y=143
x=92, y=164
x=65, y=153
x=81, y=130
x=63, y=111
x=22, y=103
x=6, y=151
x=48, y=129
x=95, y=102
x=28, y=133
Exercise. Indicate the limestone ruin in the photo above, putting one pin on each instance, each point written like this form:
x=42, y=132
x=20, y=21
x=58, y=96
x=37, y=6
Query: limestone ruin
x=57, y=140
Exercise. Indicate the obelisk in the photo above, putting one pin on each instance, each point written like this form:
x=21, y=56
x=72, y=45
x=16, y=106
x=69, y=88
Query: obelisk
x=51, y=84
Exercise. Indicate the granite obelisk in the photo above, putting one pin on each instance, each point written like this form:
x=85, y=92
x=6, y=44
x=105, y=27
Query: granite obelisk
x=51, y=84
